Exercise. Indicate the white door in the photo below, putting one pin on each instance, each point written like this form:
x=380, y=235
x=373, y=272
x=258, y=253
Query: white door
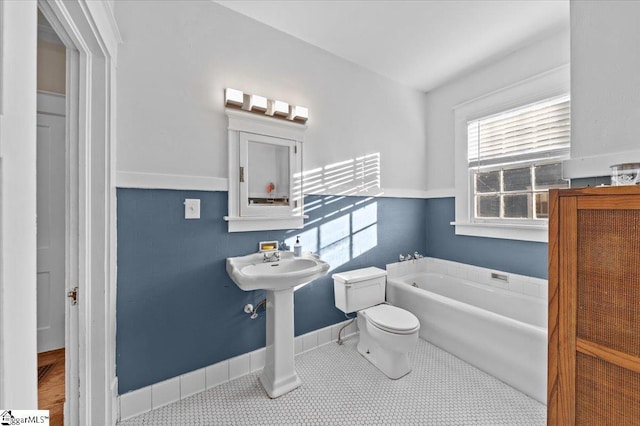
x=51, y=223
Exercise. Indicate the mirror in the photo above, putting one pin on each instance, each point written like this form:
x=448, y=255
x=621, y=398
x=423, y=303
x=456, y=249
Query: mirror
x=269, y=180
x=265, y=175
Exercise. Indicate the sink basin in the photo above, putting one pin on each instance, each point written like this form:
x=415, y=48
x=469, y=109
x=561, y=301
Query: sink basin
x=251, y=273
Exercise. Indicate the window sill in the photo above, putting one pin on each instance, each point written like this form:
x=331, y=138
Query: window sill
x=508, y=231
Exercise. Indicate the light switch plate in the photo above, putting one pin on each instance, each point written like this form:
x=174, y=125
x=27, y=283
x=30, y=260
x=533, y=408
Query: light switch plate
x=192, y=208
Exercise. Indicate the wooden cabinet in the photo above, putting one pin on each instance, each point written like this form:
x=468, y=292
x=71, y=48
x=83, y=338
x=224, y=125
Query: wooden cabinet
x=594, y=306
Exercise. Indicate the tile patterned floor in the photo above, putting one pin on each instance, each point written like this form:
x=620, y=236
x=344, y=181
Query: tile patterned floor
x=341, y=388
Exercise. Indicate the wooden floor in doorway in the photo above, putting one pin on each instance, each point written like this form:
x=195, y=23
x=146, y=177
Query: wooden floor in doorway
x=51, y=385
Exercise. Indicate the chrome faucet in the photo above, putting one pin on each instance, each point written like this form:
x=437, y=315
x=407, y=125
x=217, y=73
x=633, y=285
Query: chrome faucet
x=410, y=256
x=273, y=257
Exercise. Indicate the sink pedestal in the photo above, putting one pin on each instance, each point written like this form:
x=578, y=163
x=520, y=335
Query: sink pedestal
x=279, y=375
x=278, y=278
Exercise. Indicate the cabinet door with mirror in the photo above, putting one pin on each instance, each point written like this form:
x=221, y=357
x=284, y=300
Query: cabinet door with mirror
x=266, y=179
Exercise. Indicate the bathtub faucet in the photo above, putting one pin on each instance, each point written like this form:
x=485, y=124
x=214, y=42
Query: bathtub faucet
x=413, y=256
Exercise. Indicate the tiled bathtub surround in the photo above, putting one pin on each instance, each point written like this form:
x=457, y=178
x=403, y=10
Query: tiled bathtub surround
x=177, y=388
x=530, y=286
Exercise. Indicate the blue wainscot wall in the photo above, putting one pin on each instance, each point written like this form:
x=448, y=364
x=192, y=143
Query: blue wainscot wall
x=178, y=311
x=518, y=257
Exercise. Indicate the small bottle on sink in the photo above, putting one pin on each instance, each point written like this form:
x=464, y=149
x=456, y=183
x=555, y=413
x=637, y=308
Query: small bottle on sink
x=297, y=247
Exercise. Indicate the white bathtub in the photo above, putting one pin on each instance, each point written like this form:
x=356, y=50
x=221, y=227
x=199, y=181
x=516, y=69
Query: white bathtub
x=501, y=332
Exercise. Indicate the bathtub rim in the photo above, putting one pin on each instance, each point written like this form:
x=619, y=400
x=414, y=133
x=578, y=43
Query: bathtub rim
x=485, y=313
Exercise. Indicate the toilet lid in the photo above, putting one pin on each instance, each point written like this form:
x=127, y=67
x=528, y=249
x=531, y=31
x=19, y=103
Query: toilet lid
x=392, y=319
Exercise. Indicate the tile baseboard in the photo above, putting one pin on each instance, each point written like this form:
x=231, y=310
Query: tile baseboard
x=159, y=394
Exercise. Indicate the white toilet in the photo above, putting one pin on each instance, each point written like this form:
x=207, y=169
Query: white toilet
x=387, y=333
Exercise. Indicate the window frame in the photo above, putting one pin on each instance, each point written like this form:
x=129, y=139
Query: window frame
x=553, y=83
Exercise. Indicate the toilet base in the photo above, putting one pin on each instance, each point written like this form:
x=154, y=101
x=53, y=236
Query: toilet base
x=393, y=363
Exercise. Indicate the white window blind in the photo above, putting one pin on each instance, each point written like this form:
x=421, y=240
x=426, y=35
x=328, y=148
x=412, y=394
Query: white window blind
x=536, y=131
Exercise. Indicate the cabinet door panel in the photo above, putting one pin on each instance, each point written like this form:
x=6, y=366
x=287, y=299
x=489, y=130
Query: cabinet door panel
x=609, y=279
x=605, y=393
x=594, y=314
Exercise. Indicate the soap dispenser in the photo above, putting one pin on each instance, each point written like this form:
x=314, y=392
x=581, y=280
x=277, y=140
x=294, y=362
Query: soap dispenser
x=297, y=247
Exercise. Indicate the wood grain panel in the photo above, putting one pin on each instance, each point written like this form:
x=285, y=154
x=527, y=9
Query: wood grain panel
x=568, y=231
x=552, y=353
x=601, y=190
x=594, y=307
x=552, y=406
x=609, y=202
x=612, y=356
x=606, y=394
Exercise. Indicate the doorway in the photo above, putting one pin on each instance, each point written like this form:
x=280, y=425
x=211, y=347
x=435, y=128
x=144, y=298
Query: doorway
x=90, y=35
x=51, y=168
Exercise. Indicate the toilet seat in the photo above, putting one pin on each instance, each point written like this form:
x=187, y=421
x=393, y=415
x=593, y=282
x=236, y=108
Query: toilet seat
x=391, y=319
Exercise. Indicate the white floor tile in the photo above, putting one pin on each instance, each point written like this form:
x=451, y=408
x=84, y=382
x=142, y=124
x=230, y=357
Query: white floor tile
x=309, y=341
x=166, y=392
x=298, y=345
x=217, y=374
x=340, y=387
x=324, y=336
x=335, y=329
x=135, y=403
x=257, y=359
x=192, y=383
x=239, y=366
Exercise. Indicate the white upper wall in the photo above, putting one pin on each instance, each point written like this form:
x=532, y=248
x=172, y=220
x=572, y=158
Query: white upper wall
x=605, y=86
x=539, y=57
x=177, y=58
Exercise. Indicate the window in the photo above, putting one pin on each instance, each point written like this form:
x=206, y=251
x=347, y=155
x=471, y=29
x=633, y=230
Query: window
x=510, y=145
x=515, y=158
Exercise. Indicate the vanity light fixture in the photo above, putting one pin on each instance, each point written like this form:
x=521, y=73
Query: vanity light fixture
x=234, y=98
x=299, y=113
x=257, y=103
x=278, y=108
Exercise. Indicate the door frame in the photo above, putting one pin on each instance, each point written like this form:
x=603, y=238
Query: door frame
x=89, y=32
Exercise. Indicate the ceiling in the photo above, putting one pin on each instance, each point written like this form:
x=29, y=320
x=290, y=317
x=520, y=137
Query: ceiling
x=421, y=44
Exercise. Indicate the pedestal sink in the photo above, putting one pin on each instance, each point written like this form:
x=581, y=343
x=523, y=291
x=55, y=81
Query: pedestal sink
x=278, y=278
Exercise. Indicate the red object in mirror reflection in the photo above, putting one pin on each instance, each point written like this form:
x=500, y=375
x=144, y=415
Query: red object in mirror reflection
x=270, y=187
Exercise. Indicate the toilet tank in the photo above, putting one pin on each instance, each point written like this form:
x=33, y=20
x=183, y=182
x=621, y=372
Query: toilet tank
x=359, y=289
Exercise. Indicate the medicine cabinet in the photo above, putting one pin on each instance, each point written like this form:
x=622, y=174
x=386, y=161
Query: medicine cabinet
x=265, y=173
